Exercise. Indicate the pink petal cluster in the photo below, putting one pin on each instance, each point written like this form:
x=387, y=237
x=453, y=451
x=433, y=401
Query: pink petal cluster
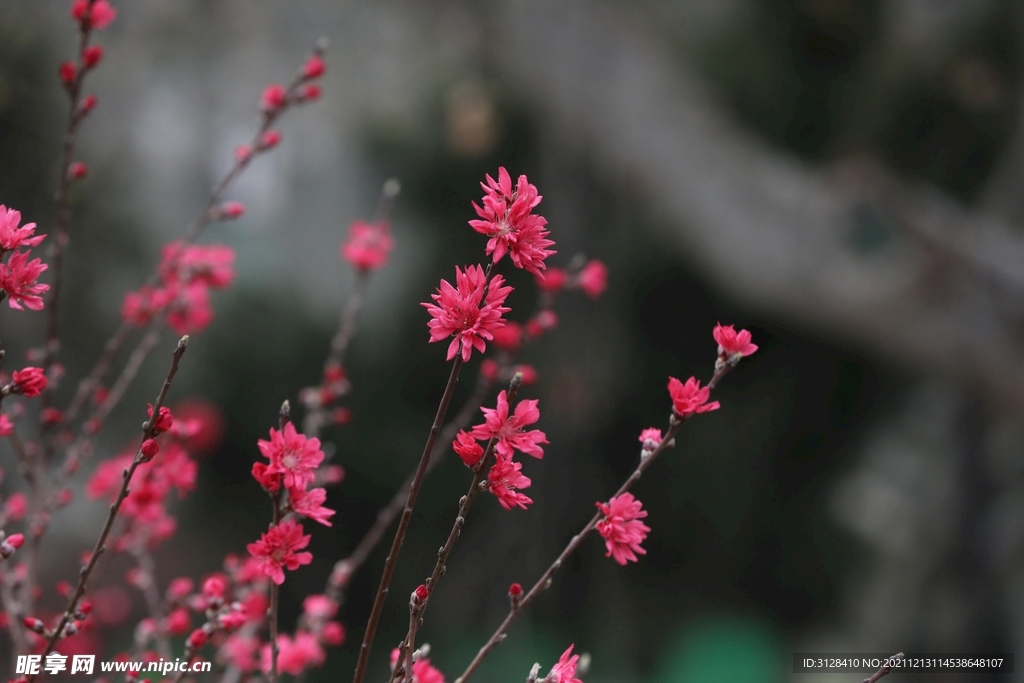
x=505, y=477
x=733, y=343
x=292, y=455
x=564, y=671
x=470, y=311
x=100, y=16
x=690, y=398
x=650, y=438
x=593, y=279
x=422, y=671
x=29, y=382
x=187, y=274
x=509, y=430
x=277, y=550
x=14, y=237
x=293, y=656
x=467, y=448
x=503, y=480
x=507, y=218
x=145, y=508
x=621, y=529
x=368, y=245
x=18, y=280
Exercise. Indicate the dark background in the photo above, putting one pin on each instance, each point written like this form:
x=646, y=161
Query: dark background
x=858, y=490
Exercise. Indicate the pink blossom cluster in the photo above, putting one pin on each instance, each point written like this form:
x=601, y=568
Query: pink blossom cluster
x=509, y=434
x=293, y=459
x=507, y=218
x=187, y=273
x=368, y=245
x=167, y=468
x=19, y=275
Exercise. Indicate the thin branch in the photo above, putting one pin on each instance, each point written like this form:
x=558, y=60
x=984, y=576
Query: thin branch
x=886, y=668
x=440, y=567
x=544, y=582
x=403, y=524
x=62, y=218
x=148, y=432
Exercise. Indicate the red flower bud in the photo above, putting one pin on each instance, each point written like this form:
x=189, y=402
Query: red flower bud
x=197, y=639
x=269, y=139
x=33, y=624
x=149, y=449
x=87, y=104
x=515, y=590
x=274, y=97
x=67, y=72
x=51, y=416
x=232, y=209
x=92, y=55
x=15, y=540
x=78, y=170
x=242, y=153
x=314, y=67
x=421, y=592
x=310, y=93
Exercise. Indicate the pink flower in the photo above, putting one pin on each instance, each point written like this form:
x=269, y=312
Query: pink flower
x=463, y=311
x=240, y=650
x=503, y=480
x=508, y=219
x=731, y=342
x=276, y=550
x=319, y=607
x=6, y=428
x=16, y=506
x=593, y=279
x=189, y=310
x=30, y=381
x=311, y=504
x=100, y=16
x=690, y=398
x=622, y=531
x=13, y=237
x=139, y=307
x=368, y=245
x=212, y=264
x=508, y=337
x=292, y=455
x=467, y=448
x=18, y=280
x=650, y=438
x=509, y=430
x=422, y=671
x=551, y=280
x=293, y=656
x=564, y=670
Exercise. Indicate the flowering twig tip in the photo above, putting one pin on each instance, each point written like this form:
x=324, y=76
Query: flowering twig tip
x=517, y=379
x=183, y=343
x=392, y=187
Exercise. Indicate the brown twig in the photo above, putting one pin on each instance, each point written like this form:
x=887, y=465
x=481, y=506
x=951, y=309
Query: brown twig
x=284, y=416
x=544, y=582
x=62, y=218
x=403, y=524
x=885, y=669
x=440, y=567
x=148, y=432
